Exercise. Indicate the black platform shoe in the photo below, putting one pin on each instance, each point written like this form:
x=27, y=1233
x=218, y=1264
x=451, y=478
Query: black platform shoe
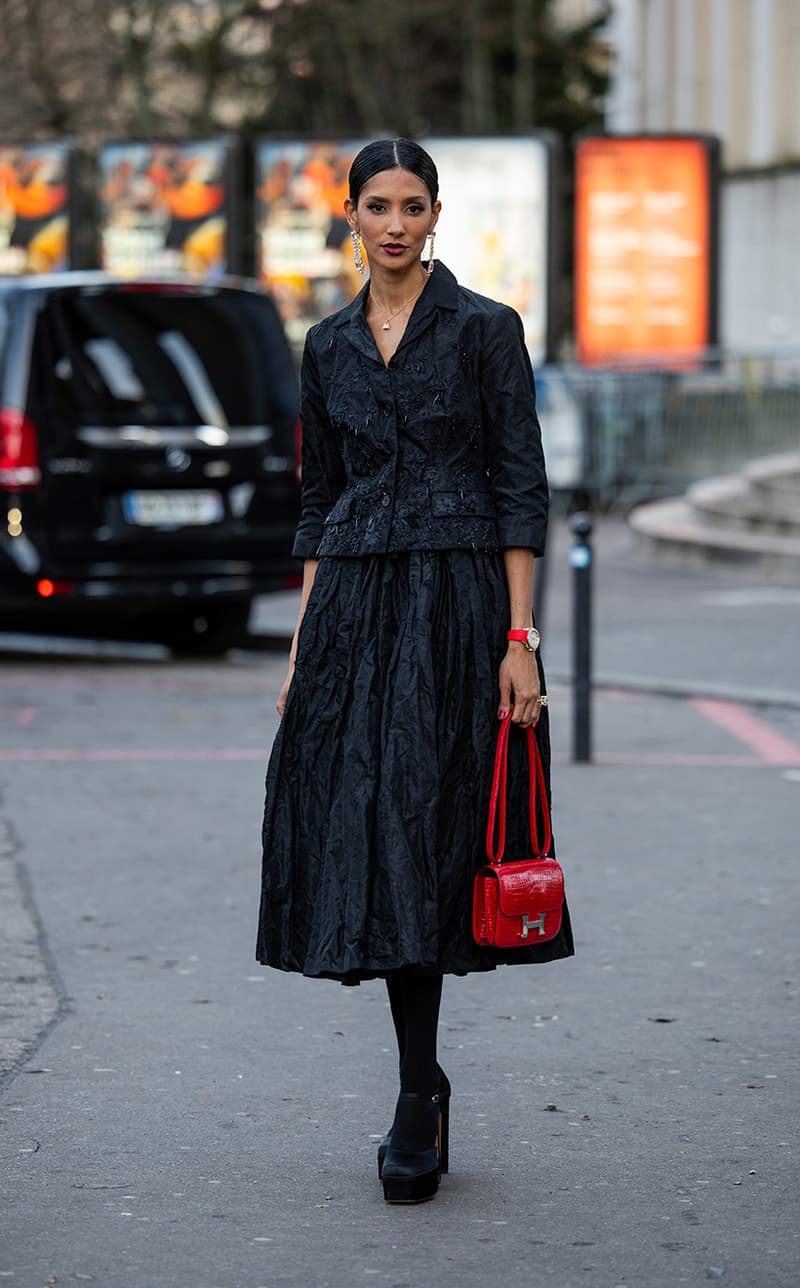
x=411, y=1167
x=444, y=1105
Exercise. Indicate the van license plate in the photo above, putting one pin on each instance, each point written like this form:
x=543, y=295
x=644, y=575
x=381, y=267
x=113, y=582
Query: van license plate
x=172, y=509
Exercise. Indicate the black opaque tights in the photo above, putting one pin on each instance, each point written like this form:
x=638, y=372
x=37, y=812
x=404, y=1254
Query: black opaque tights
x=414, y=1001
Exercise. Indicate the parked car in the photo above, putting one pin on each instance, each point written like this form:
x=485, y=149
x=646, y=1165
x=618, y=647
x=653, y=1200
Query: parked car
x=149, y=455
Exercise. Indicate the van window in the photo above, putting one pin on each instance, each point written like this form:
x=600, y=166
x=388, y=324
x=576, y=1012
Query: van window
x=117, y=357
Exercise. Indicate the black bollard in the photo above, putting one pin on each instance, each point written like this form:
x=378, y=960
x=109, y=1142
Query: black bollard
x=581, y=561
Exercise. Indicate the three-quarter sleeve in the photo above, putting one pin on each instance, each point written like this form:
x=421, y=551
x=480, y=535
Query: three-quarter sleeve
x=323, y=478
x=516, y=462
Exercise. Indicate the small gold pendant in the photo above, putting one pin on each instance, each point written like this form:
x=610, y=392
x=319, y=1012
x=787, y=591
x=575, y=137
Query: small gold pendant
x=385, y=326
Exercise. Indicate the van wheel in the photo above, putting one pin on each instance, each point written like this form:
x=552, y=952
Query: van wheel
x=205, y=630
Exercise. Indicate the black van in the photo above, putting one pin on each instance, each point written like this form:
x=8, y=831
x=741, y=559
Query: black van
x=149, y=455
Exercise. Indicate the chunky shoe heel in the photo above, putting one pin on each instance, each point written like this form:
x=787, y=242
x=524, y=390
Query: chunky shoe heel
x=444, y=1122
x=444, y=1103
x=443, y=1140
x=410, y=1172
x=382, y=1148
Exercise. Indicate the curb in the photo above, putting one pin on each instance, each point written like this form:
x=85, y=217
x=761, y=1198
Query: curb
x=33, y=995
x=685, y=689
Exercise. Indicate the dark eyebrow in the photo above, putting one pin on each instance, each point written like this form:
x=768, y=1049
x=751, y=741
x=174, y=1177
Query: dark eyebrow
x=374, y=196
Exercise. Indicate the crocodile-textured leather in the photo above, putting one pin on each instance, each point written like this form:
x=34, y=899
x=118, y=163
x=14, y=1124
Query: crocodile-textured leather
x=521, y=902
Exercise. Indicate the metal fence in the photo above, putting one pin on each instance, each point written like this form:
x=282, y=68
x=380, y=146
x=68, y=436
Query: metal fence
x=630, y=433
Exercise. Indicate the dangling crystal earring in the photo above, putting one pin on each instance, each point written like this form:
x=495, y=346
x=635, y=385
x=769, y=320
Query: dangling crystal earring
x=431, y=239
x=358, y=254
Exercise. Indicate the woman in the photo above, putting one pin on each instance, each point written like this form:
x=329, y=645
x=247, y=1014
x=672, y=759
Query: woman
x=424, y=506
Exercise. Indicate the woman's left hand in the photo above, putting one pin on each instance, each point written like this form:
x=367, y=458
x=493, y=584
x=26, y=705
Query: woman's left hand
x=519, y=686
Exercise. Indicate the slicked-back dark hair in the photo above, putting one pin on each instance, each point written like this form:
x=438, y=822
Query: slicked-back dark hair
x=393, y=154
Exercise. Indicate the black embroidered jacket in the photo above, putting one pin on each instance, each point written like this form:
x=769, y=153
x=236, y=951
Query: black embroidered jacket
x=439, y=449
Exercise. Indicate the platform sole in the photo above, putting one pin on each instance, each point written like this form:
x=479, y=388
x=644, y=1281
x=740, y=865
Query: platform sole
x=410, y=1189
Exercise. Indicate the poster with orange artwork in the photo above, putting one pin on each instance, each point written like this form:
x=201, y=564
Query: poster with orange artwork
x=304, y=254
x=36, y=192
x=168, y=208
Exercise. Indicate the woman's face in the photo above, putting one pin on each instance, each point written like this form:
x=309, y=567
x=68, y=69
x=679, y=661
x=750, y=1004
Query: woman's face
x=394, y=216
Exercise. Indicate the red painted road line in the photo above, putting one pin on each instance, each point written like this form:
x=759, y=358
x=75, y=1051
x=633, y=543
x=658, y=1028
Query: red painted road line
x=667, y=758
x=23, y=716
x=257, y=682
x=109, y=755
x=769, y=746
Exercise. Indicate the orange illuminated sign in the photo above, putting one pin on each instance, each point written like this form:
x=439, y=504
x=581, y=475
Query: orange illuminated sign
x=645, y=248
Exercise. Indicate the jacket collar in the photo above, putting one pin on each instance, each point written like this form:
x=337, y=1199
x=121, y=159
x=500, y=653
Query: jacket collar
x=440, y=292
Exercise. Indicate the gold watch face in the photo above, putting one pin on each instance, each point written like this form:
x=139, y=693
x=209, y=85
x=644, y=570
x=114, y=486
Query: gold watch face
x=533, y=639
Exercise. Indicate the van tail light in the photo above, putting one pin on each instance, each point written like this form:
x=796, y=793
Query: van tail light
x=298, y=450
x=47, y=588
x=19, y=451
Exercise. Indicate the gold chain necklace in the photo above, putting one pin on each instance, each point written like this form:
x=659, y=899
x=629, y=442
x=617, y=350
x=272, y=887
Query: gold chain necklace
x=385, y=325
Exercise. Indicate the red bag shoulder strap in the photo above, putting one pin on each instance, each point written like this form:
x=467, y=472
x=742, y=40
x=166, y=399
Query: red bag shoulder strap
x=497, y=803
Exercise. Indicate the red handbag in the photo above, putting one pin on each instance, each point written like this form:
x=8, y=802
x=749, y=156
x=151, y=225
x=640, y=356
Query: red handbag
x=517, y=904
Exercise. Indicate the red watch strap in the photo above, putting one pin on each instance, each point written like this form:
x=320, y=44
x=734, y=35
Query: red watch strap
x=522, y=636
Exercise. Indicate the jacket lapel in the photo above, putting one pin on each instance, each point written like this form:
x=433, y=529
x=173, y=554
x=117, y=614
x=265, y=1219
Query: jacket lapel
x=441, y=292
x=353, y=325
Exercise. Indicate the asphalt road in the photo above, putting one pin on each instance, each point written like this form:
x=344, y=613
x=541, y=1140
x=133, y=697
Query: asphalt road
x=174, y=1116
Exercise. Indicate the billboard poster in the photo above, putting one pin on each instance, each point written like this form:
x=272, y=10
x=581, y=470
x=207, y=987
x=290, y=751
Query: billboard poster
x=495, y=228
x=167, y=208
x=303, y=248
x=495, y=236
x=35, y=199
x=645, y=248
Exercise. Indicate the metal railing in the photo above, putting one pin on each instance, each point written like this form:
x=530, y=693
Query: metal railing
x=629, y=433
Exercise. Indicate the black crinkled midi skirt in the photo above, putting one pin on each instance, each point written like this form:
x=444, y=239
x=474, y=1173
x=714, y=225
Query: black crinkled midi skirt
x=378, y=782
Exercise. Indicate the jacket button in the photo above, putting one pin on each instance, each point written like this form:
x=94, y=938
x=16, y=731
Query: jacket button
x=386, y=500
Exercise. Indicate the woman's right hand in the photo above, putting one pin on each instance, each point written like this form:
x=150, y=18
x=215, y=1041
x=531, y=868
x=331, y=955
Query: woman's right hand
x=284, y=693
